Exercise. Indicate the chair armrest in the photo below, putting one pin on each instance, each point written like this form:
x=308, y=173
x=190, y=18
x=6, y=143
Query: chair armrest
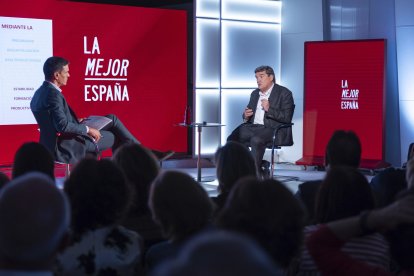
x=285, y=125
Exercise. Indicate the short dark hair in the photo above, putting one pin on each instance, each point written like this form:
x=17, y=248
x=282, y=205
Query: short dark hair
x=344, y=149
x=180, y=214
x=98, y=193
x=53, y=65
x=33, y=156
x=233, y=161
x=268, y=212
x=140, y=168
x=269, y=71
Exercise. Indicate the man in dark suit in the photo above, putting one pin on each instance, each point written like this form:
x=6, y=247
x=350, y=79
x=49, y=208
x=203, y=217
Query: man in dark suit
x=270, y=106
x=60, y=129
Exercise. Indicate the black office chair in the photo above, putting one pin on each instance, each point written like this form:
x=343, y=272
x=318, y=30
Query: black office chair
x=47, y=134
x=49, y=137
x=272, y=145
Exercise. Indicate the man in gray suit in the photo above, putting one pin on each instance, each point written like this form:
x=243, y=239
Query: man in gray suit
x=270, y=106
x=60, y=129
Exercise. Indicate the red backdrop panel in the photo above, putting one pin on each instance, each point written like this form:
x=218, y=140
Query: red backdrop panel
x=151, y=43
x=344, y=89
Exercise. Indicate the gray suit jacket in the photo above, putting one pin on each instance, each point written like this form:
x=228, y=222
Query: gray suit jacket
x=280, y=111
x=60, y=130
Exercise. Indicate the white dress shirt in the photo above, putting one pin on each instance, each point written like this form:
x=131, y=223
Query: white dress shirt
x=260, y=112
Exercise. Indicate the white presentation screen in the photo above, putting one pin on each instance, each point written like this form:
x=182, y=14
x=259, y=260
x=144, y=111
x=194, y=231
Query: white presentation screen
x=25, y=43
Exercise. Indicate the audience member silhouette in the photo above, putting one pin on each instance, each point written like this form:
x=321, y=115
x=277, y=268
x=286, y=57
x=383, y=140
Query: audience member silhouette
x=268, y=212
x=396, y=220
x=140, y=168
x=99, y=198
x=233, y=161
x=182, y=208
x=344, y=193
x=343, y=149
x=34, y=224
x=33, y=156
x=220, y=253
x=4, y=179
x=389, y=182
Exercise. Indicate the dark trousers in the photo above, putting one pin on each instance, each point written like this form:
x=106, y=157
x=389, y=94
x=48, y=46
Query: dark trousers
x=254, y=136
x=113, y=135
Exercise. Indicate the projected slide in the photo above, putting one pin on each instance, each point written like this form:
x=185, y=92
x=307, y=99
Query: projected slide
x=25, y=43
x=344, y=89
x=123, y=60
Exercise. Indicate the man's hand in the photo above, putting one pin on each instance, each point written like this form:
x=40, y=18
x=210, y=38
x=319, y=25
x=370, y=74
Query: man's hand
x=247, y=113
x=95, y=134
x=265, y=105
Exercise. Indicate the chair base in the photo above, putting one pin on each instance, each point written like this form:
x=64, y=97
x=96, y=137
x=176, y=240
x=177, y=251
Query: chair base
x=281, y=178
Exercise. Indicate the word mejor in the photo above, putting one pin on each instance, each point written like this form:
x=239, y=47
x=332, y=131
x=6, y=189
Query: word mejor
x=349, y=98
x=112, y=70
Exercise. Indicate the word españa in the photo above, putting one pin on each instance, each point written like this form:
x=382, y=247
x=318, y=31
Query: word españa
x=105, y=70
x=349, y=98
x=106, y=93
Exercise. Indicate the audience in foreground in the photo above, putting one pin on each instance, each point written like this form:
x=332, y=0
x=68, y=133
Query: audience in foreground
x=395, y=220
x=265, y=219
x=220, y=253
x=4, y=179
x=267, y=212
x=233, y=161
x=390, y=181
x=182, y=208
x=33, y=156
x=140, y=168
x=343, y=149
x=99, y=198
x=34, y=223
x=344, y=193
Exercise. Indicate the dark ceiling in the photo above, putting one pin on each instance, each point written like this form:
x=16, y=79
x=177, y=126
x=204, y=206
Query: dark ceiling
x=142, y=3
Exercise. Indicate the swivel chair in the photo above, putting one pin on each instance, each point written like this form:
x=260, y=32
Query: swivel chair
x=48, y=136
x=273, y=145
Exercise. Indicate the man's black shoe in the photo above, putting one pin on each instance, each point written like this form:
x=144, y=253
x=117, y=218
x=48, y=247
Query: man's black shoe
x=162, y=156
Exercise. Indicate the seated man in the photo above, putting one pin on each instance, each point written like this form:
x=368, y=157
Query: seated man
x=54, y=116
x=270, y=106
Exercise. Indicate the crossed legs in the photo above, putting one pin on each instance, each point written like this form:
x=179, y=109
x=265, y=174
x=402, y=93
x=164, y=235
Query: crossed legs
x=113, y=135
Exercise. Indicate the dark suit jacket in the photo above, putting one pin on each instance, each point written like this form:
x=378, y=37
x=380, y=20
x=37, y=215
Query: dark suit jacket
x=60, y=130
x=281, y=108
